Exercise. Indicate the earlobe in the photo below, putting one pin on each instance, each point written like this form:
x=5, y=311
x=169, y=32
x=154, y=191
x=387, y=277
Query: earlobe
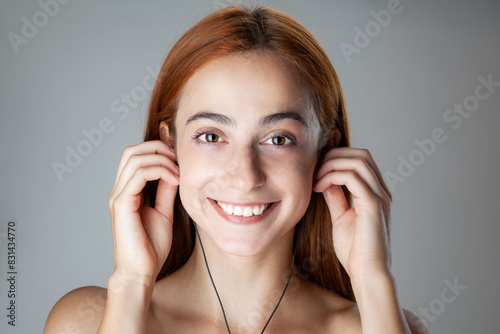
x=165, y=135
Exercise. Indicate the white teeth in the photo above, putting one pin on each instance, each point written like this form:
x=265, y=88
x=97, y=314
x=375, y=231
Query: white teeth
x=238, y=211
x=245, y=211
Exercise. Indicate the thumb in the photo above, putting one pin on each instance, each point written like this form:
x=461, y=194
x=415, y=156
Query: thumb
x=165, y=197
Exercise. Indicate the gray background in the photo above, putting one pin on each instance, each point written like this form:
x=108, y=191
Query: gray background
x=90, y=54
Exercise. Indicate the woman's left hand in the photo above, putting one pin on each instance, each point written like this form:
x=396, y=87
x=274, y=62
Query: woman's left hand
x=361, y=235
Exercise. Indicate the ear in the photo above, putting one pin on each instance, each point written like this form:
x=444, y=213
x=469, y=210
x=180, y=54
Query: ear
x=332, y=139
x=336, y=135
x=166, y=136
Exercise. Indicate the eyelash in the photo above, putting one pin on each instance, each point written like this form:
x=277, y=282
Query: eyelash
x=279, y=147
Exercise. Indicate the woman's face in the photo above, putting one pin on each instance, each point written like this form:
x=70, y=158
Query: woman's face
x=246, y=134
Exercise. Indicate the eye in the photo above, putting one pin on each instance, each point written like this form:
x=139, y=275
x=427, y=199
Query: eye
x=210, y=137
x=207, y=137
x=281, y=140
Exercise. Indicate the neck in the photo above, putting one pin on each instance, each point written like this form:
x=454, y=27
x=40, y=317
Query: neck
x=249, y=287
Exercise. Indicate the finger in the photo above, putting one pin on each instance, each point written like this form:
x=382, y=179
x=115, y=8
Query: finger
x=148, y=147
x=361, y=167
x=165, y=199
x=137, y=161
x=354, y=183
x=336, y=201
x=352, y=152
x=129, y=198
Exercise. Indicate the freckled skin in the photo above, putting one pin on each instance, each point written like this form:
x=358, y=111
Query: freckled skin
x=244, y=164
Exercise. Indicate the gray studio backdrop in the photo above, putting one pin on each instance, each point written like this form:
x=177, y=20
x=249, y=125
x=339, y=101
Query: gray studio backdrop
x=422, y=86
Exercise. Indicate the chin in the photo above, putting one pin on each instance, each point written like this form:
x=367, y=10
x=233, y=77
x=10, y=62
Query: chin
x=247, y=241
x=235, y=241
x=242, y=248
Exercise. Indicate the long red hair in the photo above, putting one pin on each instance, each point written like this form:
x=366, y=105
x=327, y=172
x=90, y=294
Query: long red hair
x=241, y=29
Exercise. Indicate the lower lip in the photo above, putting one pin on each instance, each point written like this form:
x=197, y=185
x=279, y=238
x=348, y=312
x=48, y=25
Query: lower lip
x=243, y=220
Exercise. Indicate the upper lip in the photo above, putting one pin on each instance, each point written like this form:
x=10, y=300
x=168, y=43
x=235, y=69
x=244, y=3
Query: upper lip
x=243, y=203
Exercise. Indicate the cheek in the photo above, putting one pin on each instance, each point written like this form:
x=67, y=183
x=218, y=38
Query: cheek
x=296, y=171
x=294, y=181
x=199, y=180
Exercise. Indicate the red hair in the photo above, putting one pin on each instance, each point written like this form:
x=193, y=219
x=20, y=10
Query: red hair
x=240, y=29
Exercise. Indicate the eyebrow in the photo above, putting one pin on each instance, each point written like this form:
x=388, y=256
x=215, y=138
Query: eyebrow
x=266, y=120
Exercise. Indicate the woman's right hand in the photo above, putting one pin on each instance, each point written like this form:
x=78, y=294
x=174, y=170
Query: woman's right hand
x=142, y=235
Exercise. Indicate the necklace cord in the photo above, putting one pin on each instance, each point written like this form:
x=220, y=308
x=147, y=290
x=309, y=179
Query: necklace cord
x=211, y=279
x=217, y=293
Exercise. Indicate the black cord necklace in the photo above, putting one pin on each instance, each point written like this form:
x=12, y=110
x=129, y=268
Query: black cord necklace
x=217, y=293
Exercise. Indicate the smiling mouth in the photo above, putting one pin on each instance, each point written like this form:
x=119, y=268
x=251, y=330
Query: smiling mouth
x=244, y=210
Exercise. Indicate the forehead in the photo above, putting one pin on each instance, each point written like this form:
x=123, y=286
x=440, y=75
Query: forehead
x=244, y=84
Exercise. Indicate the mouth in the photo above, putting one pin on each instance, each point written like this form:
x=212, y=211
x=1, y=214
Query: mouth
x=243, y=210
x=243, y=213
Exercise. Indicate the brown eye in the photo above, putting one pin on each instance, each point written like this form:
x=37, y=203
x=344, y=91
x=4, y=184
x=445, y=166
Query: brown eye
x=211, y=137
x=279, y=140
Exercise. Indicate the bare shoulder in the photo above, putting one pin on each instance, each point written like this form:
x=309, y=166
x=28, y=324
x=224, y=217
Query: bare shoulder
x=79, y=311
x=336, y=313
x=347, y=319
x=343, y=314
x=416, y=324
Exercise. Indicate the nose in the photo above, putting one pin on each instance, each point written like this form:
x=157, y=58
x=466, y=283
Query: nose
x=244, y=169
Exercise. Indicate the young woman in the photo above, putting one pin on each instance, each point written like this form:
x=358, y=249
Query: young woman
x=235, y=215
